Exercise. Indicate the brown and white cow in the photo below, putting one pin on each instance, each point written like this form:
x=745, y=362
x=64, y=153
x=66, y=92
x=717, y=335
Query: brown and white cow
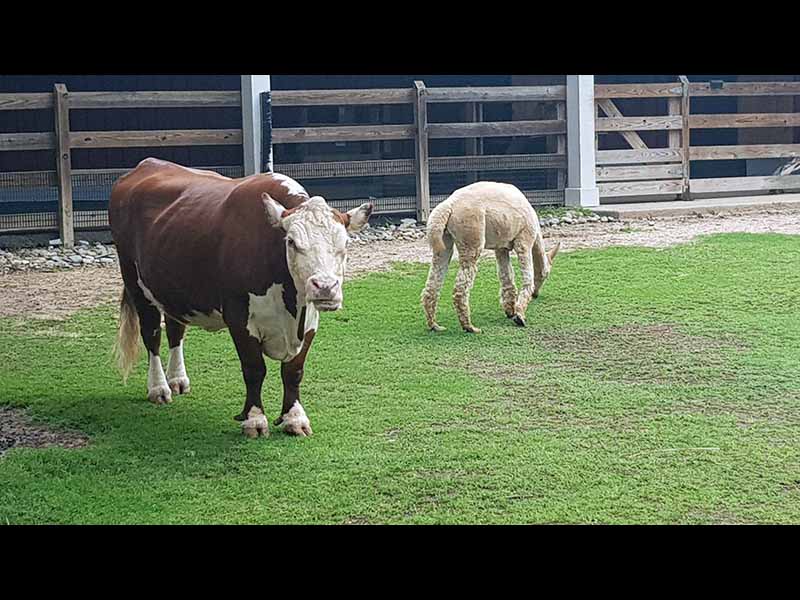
x=255, y=255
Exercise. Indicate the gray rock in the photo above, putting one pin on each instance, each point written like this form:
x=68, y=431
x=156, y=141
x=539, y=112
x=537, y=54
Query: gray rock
x=107, y=261
x=55, y=242
x=75, y=259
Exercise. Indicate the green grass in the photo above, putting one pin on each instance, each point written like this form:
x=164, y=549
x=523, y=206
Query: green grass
x=651, y=386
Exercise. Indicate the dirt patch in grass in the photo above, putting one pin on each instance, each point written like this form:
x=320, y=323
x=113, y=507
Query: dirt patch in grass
x=658, y=353
x=632, y=353
x=18, y=430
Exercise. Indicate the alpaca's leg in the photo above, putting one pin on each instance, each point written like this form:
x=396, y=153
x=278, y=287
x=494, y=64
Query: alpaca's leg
x=525, y=255
x=433, y=287
x=468, y=268
x=508, y=290
x=541, y=266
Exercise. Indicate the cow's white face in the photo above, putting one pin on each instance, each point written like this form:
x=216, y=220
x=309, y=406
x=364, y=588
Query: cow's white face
x=316, y=246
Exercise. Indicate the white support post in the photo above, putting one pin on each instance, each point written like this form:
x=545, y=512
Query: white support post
x=252, y=86
x=581, y=175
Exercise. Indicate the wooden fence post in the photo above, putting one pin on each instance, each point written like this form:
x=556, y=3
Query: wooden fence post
x=687, y=195
x=66, y=230
x=421, y=154
x=561, y=146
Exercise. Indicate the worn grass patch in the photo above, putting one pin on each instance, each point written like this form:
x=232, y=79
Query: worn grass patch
x=651, y=386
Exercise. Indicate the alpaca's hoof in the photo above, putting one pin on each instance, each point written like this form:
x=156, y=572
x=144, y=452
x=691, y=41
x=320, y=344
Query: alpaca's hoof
x=519, y=321
x=437, y=327
x=472, y=329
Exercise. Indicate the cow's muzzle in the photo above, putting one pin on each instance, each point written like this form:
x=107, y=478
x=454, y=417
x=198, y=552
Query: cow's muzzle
x=324, y=292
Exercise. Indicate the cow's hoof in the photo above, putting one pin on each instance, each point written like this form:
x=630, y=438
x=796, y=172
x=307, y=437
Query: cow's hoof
x=160, y=395
x=472, y=329
x=519, y=321
x=255, y=425
x=179, y=385
x=295, y=421
x=436, y=327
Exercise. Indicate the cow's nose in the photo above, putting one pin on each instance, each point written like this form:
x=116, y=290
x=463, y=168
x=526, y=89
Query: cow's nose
x=322, y=286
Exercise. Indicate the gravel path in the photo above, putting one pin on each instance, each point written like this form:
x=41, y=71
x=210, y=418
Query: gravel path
x=53, y=293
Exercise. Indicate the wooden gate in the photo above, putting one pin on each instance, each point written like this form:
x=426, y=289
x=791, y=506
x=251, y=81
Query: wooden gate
x=662, y=167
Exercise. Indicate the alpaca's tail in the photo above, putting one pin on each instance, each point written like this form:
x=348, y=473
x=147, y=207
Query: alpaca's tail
x=126, y=349
x=437, y=221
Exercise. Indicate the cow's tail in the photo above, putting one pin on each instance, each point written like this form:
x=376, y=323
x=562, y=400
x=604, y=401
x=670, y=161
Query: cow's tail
x=126, y=349
x=437, y=222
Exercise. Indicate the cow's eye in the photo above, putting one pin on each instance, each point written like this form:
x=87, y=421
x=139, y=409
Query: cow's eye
x=290, y=242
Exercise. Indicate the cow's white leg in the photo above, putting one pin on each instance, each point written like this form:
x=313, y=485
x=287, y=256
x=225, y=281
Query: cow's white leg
x=295, y=422
x=158, y=390
x=508, y=289
x=256, y=423
x=176, y=371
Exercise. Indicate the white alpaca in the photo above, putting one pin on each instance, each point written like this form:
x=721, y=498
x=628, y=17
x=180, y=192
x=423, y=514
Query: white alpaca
x=490, y=215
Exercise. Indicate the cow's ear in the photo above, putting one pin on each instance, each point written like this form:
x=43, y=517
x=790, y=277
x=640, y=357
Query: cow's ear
x=273, y=209
x=359, y=217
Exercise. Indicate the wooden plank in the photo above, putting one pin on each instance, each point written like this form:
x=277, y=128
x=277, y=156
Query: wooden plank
x=745, y=184
x=405, y=166
x=350, y=97
x=26, y=101
x=640, y=188
x=27, y=141
x=204, y=99
x=685, y=136
x=772, y=88
x=744, y=120
x=421, y=166
x=749, y=151
x=626, y=157
x=561, y=147
x=348, y=133
x=636, y=172
x=619, y=124
x=517, y=93
x=498, y=129
x=674, y=109
x=611, y=110
x=638, y=90
x=66, y=227
x=144, y=139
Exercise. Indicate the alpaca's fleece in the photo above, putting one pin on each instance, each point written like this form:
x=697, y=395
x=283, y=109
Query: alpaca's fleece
x=486, y=215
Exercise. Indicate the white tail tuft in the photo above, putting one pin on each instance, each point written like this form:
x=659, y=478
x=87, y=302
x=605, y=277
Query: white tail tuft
x=126, y=349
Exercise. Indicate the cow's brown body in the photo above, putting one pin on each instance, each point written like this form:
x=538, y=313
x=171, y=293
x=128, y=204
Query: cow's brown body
x=198, y=247
x=198, y=237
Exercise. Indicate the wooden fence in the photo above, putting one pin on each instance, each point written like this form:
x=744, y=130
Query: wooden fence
x=644, y=170
x=421, y=131
x=63, y=141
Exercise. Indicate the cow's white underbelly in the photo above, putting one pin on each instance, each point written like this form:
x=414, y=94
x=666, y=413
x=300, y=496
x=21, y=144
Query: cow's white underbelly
x=274, y=326
x=211, y=322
